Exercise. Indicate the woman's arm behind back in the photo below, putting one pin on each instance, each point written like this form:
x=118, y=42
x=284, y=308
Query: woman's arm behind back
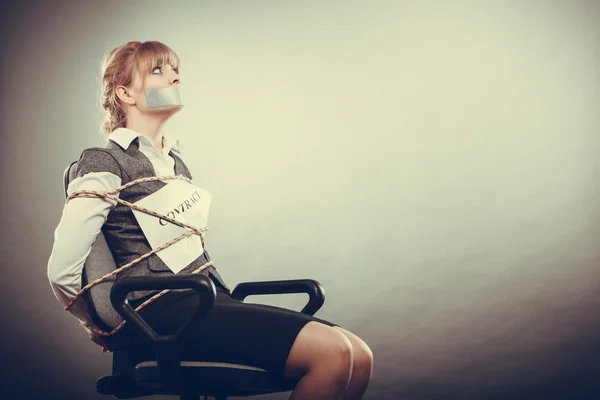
x=81, y=221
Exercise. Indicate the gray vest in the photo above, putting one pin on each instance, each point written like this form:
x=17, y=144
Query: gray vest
x=121, y=229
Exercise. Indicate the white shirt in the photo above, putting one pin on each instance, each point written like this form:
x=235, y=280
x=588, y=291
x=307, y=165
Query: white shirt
x=82, y=219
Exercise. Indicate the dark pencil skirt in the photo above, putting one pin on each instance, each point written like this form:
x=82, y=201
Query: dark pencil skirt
x=232, y=331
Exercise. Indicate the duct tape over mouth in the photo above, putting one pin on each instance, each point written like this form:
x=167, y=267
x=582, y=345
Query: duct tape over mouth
x=164, y=97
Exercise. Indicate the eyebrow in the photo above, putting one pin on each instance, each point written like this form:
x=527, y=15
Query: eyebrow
x=174, y=65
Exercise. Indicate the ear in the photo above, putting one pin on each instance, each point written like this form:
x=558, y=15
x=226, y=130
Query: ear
x=124, y=95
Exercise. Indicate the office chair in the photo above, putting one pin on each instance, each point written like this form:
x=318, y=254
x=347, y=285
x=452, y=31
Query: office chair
x=168, y=375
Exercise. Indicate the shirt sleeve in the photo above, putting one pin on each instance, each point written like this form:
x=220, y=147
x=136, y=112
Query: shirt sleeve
x=81, y=221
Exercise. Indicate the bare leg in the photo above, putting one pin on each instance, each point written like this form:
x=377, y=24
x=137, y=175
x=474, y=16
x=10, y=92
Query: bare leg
x=321, y=357
x=362, y=368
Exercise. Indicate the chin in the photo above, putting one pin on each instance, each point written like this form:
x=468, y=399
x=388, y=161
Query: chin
x=168, y=111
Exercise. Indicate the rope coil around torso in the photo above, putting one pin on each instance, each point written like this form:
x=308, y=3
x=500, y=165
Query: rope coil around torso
x=110, y=195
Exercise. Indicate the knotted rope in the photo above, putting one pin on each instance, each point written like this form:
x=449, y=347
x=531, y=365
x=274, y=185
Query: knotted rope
x=110, y=195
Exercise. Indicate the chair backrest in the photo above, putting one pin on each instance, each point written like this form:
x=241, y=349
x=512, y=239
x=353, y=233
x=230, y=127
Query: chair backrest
x=99, y=263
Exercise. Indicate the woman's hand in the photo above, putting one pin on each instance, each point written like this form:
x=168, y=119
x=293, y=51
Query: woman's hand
x=99, y=340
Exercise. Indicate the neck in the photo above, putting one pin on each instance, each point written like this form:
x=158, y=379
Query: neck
x=150, y=126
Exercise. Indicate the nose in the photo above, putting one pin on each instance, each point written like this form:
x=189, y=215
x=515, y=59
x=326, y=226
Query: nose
x=174, y=77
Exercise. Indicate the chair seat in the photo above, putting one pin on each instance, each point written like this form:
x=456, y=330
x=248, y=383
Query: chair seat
x=201, y=378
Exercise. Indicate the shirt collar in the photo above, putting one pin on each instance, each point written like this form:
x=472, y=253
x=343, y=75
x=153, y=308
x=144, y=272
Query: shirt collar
x=124, y=136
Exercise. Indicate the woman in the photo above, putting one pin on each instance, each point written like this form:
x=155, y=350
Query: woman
x=329, y=361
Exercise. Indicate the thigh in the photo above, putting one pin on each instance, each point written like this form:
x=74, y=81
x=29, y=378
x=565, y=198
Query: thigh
x=317, y=345
x=357, y=343
x=234, y=332
x=362, y=352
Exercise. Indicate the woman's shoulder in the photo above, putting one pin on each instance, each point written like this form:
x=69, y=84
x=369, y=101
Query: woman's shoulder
x=98, y=159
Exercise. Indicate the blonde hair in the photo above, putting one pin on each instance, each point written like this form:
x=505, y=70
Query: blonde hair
x=119, y=68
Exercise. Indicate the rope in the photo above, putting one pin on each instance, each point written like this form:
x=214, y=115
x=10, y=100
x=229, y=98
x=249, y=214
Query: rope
x=110, y=195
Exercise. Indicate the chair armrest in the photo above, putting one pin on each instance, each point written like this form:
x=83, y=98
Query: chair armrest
x=200, y=283
x=167, y=347
x=311, y=287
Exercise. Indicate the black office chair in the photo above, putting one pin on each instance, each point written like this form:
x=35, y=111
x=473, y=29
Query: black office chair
x=168, y=375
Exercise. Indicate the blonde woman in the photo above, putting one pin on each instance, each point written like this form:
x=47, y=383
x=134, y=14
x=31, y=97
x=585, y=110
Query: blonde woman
x=140, y=93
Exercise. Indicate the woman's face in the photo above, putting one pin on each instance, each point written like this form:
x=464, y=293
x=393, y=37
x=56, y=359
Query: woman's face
x=161, y=76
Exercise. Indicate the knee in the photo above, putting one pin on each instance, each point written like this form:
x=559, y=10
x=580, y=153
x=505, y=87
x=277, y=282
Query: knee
x=363, y=359
x=339, y=359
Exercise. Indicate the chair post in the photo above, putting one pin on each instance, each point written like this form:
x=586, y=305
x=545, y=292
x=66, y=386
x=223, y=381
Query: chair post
x=192, y=397
x=121, y=364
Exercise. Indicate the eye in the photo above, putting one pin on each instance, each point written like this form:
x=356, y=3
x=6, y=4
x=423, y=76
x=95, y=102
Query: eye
x=175, y=68
x=157, y=68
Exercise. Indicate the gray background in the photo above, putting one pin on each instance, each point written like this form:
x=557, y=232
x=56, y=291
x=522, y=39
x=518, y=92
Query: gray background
x=433, y=164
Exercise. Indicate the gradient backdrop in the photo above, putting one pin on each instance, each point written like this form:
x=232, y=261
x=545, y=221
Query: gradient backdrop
x=433, y=164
